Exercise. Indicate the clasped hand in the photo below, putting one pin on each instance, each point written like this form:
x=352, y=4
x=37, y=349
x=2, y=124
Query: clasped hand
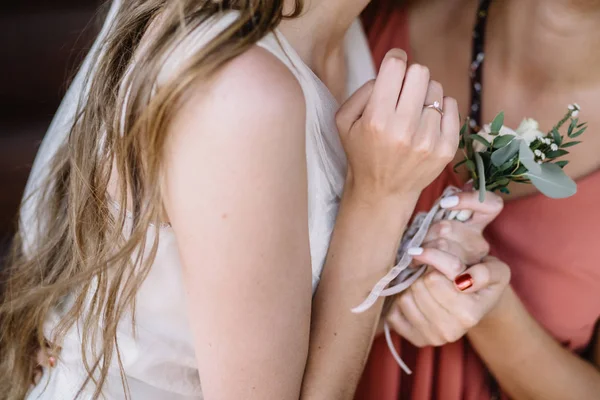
x=462, y=285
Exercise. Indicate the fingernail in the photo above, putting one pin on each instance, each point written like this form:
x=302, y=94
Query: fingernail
x=52, y=361
x=463, y=282
x=415, y=251
x=449, y=202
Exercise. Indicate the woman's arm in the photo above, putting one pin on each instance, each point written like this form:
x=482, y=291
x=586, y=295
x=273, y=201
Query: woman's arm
x=395, y=148
x=536, y=366
x=236, y=196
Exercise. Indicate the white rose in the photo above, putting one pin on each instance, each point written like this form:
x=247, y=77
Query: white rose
x=529, y=130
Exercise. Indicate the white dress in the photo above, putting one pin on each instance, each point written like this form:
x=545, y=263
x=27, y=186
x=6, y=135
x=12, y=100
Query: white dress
x=159, y=360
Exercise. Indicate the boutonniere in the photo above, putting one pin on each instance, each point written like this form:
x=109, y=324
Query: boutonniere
x=497, y=155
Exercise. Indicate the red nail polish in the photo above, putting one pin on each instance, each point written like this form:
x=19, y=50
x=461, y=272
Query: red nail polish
x=52, y=361
x=463, y=282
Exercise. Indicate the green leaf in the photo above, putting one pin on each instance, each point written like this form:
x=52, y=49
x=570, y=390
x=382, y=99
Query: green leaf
x=504, y=190
x=556, y=136
x=520, y=171
x=579, y=132
x=501, y=141
x=569, y=144
x=481, y=173
x=510, y=164
x=527, y=158
x=459, y=164
x=471, y=166
x=562, y=164
x=481, y=140
x=463, y=129
x=497, y=123
x=506, y=153
x=557, y=153
x=552, y=181
x=572, y=125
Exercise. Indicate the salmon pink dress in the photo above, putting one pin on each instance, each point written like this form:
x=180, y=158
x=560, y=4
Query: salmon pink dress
x=552, y=247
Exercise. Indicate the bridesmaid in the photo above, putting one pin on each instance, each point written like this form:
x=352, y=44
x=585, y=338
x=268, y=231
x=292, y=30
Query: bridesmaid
x=529, y=58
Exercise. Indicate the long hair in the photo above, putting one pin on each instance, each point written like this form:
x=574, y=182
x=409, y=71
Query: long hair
x=82, y=264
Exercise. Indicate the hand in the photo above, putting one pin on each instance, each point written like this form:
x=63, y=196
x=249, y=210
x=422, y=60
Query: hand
x=394, y=145
x=465, y=239
x=444, y=304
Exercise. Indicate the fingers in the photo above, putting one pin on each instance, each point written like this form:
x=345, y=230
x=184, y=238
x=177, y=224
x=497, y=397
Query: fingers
x=388, y=84
x=445, y=328
x=481, y=276
x=402, y=327
x=450, y=128
x=449, y=265
x=460, y=239
x=353, y=108
x=412, y=98
x=435, y=93
x=450, y=246
x=483, y=213
x=413, y=314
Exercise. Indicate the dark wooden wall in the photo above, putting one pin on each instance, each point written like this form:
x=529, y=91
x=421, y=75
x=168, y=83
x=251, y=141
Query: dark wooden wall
x=41, y=45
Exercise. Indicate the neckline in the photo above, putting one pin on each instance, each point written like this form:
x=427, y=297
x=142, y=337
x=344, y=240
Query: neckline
x=351, y=67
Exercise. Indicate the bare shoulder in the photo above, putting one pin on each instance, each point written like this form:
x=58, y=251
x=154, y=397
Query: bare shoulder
x=255, y=88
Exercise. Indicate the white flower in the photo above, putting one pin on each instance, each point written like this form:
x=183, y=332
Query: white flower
x=543, y=156
x=538, y=153
x=554, y=147
x=574, y=108
x=540, y=162
x=547, y=141
x=529, y=130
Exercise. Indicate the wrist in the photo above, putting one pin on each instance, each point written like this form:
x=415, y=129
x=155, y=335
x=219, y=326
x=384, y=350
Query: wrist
x=502, y=313
x=376, y=200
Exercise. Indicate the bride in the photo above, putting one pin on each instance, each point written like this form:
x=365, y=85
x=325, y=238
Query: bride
x=191, y=229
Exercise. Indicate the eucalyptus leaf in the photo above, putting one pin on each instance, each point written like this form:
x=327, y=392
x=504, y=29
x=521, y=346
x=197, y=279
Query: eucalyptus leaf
x=481, y=173
x=502, y=141
x=497, y=123
x=503, y=155
x=562, y=164
x=510, y=164
x=552, y=181
x=570, y=144
x=481, y=140
x=527, y=158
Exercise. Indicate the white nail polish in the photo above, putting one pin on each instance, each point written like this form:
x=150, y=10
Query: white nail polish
x=415, y=251
x=449, y=202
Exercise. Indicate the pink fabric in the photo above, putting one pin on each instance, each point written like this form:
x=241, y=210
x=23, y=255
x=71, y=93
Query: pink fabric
x=552, y=246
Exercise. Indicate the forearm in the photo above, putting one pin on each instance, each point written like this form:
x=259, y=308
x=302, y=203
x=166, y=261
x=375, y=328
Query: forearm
x=527, y=361
x=362, y=250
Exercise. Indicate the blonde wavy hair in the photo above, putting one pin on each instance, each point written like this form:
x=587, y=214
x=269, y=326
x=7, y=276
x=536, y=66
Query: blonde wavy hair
x=81, y=253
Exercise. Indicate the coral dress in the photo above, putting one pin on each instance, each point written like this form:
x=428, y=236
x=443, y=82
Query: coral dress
x=552, y=247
